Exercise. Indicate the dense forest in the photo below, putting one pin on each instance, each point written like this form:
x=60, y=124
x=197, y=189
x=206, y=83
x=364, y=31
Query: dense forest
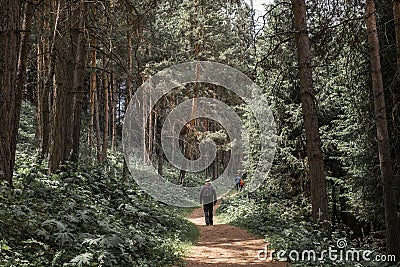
x=327, y=79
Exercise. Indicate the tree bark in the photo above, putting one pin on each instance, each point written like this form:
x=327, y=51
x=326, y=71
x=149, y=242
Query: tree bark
x=97, y=117
x=106, y=110
x=61, y=147
x=60, y=105
x=22, y=61
x=395, y=92
x=114, y=87
x=128, y=92
x=50, y=86
x=385, y=161
x=396, y=15
x=93, y=85
x=79, y=51
x=45, y=77
x=319, y=199
x=42, y=111
x=129, y=83
x=9, y=47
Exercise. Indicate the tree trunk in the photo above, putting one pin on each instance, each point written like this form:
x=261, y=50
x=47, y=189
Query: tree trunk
x=62, y=106
x=23, y=56
x=97, y=117
x=182, y=175
x=149, y=129
x=395, y=94
x=129, y=83
x=42, y=113
x=45, y=74
x=396, y=15
x=114, y=87
x=216, y=165
x=106, y=111
x=157, y=141
x=79, y=51
x=58, y=135
x=39, y=88
x=144, y=127
x=389, y=194
x=92, y=87
x=128, y=92
x=61, y=147
x=183, y=148
x=9, y=47
x=49, y=95
x=319, y=199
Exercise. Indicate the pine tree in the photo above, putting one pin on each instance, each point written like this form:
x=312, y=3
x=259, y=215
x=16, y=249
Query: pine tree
x=390, y=202
x=9, y=93
x=315, y=159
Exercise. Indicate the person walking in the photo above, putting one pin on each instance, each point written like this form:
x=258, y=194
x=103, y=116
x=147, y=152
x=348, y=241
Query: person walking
x=208, y=198
x=241, y=184
x=237, y=181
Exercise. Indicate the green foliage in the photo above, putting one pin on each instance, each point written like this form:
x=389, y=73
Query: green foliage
x=285, y=225
x=199, y=30
x=87, y=216
x=346, y=125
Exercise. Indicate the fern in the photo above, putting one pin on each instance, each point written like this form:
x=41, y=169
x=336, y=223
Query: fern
x=54, y=224
x=82, y=259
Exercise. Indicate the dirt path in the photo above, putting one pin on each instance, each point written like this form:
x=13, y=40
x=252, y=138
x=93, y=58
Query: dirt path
x=224, y=245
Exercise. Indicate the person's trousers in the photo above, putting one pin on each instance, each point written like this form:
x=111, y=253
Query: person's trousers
x=208, y=213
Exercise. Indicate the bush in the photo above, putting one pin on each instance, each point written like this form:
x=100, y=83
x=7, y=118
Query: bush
x=87, y=216
x=286, y=226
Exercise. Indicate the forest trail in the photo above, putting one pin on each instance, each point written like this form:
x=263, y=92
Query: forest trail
x=225, y=245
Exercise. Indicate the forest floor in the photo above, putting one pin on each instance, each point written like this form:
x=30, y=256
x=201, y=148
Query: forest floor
x=225, y=245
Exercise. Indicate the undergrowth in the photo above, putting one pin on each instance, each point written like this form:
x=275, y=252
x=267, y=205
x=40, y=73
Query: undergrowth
x=287, y=226
x=84, y=215
x=87, y=216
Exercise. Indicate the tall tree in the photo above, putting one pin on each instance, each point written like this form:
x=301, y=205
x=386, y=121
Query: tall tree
x=45, y=72
x=385, y=161
x=61, y=101
x=69, y=77
x=396, y=15
x=319, y=199
x=92, y=89
x=29, y=9
x=113, y=96
x=395, y=94
x=78, y=39
x=106, y=109
x=9, y=47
